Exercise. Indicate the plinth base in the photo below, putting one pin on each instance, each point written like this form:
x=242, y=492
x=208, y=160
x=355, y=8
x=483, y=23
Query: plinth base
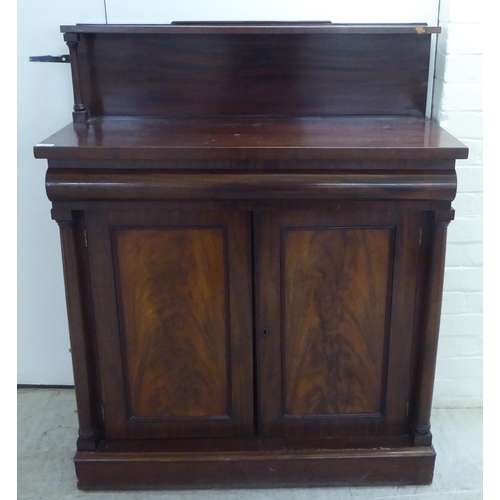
x=254, y=469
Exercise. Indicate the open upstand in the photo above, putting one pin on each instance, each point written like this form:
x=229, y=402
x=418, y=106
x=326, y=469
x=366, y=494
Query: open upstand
x=253, y=222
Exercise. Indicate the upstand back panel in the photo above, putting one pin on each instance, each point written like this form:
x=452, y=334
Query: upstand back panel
x=253, y=223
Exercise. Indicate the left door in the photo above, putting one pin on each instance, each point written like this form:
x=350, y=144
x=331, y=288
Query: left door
x=172, y=303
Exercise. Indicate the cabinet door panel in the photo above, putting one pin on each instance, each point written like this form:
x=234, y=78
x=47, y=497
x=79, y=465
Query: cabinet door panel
x=334, y=306
x=335, y=298
x=172, y=296
x=175, y=332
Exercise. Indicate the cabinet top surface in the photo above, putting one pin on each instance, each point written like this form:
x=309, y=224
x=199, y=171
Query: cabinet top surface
x=252, y=138
x=252, y=27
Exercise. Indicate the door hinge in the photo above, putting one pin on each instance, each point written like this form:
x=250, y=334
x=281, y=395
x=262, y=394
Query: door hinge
x=85, y=237
x=102, y=412
x=407, y=408
x=419, y=236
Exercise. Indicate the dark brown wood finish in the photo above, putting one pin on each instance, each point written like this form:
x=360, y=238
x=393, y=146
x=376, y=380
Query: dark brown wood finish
x=173, y=288
x=80, y=113
x=242, y=445
x=334, y=285
x=320, y=468
x=231, y=74
x=65, y=185
x=81, y=332
x=317, y=166
x=253, y=224
x=253, y=27
x=339, y=281
x=427, y=349
x=173, y=310
x=255, y=139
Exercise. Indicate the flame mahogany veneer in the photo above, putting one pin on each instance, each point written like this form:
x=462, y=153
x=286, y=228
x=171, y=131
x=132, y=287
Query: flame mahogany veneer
x=253, y=224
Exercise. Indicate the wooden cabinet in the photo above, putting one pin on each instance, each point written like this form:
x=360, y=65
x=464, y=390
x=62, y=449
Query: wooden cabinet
x=253, y=298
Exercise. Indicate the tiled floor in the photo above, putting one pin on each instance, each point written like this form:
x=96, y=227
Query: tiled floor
x=47, y=429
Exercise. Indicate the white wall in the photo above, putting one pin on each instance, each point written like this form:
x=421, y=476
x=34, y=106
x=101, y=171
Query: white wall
x=355, y=11
x=458, y=106
x=45, y=103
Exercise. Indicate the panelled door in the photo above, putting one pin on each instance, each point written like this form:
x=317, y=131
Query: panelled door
x=173, y=304
x=335, y=313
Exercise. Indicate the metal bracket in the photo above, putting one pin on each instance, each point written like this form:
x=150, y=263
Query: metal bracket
x=57, y=59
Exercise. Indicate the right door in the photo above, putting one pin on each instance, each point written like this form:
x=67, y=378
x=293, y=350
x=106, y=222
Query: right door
x=335, y=314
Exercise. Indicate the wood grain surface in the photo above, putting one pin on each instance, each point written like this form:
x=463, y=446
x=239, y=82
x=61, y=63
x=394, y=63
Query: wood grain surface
x=67, y=184
x=335, y=294
x=254, y=27
x=173, y=284
x=238, y=74
x=254, y=138
x=335, y=285
x=172, y=295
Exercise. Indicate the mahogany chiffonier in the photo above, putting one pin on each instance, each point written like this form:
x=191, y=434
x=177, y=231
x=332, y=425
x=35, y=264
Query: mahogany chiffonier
x=253, y=222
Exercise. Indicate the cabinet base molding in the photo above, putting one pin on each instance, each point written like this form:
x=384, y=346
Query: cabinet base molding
x=255, y=469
